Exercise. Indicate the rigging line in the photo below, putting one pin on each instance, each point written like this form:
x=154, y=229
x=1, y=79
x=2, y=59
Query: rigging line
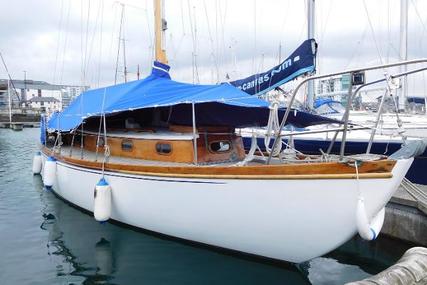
x=285, y=19
x=419, y=18
x=305, y=26
x=100, y=43
x=255, y=40
x=177, y=49
x=124, y=51
x=325, y=24
x=92, y=39
x=216, y=37
x=193, y=39
x=58, y=41
x=357, y=48
x=10, y=77
x=211, y=40
x=81, y=43
x=373, y=33
x=182, y=16
x=183, y=35
x=222, y=19
x=113, y=33
x=119, y=43
x=61, y=72
x=196, y=46
x=388, y=32
x=86, y=43
x=151, y=38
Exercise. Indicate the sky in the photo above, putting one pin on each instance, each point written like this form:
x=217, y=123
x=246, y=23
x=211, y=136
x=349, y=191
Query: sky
x=77, y=41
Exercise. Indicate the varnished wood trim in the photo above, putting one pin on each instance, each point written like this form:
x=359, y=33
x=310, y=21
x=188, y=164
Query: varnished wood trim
x=266, y=177
x=327, y=170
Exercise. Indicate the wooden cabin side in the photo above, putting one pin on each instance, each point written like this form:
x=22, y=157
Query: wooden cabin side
x=214, y=145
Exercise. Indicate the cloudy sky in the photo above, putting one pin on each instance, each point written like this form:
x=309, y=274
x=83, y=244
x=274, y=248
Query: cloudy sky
x=76, y=41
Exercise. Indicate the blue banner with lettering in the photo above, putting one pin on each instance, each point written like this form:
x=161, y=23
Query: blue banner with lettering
x=301, y=61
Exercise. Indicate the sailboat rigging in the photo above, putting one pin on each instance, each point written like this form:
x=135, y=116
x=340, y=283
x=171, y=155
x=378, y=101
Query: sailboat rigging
x=174, y=164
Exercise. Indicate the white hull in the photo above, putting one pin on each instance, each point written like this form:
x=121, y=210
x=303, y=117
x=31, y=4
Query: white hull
x=292, y=220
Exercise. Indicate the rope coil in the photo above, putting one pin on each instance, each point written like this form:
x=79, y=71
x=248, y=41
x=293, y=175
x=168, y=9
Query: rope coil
x=273, y=126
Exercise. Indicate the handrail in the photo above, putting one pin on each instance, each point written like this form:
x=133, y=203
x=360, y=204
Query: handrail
x=291, y=101
x=354, y=94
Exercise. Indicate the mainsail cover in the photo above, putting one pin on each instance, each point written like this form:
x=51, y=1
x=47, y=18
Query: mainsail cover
x=301, y=61
x=214, y=104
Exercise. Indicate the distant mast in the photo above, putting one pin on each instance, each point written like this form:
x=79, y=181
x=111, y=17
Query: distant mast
x=10, y=101
x=310, y=35
x=403, y=52
x=160, y=26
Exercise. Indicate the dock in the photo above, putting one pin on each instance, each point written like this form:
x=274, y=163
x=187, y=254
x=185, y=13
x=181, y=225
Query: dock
x=410, y=269
x=406, y=214
x=19, y=125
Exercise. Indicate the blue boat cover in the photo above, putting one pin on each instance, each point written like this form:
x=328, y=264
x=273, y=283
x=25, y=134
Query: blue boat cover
x=417, y=100
x=301, y=61
x=42, y=129
x=214, y=104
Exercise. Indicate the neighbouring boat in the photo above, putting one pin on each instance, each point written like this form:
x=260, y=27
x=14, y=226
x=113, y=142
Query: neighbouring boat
x=165, y=156
x=410, y=125
x=387, y=132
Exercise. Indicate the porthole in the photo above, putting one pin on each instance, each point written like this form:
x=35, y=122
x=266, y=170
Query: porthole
x=163, y=148
x=127, y=145
x=220, y=146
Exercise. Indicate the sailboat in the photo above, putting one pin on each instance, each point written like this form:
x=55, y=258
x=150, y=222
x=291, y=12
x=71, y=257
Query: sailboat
x=165, y=156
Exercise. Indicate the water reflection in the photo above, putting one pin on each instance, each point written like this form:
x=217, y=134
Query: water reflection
x=109, y=254
x=103, y=257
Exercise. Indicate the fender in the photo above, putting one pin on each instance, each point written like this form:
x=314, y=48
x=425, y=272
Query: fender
x=368, y=230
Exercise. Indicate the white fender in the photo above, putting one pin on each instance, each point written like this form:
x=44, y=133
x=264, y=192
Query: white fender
x=49, y=172
x=37, y=163
x=102, y=201
x=368, y=230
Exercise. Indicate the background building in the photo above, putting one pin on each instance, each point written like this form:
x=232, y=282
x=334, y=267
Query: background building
x=37, y=95
x=47, y=104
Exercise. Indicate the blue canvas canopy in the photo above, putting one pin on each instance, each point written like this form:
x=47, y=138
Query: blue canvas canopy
x=214, y=104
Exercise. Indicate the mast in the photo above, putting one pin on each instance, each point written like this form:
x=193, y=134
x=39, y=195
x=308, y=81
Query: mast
x=24, y=94
x=125, y=70
x=160, y=26
x=10, y=101
x=403, y=52
x=121, y=42
x=310, y=34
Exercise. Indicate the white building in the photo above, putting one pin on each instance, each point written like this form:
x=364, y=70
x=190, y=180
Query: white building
x=333, y=86
x=27, y=94
x=45, y=104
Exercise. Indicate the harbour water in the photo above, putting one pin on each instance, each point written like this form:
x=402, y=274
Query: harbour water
x=43, y=240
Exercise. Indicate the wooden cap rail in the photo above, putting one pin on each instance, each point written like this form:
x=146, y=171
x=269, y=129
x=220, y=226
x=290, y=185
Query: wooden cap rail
x=325, y=170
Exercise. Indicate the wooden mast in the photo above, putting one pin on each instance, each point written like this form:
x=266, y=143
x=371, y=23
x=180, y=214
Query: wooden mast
x=160, y=27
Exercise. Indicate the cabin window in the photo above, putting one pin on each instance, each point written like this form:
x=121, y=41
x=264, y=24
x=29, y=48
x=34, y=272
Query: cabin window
x=163, y=148
x=220, y=146
x=127, y=145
